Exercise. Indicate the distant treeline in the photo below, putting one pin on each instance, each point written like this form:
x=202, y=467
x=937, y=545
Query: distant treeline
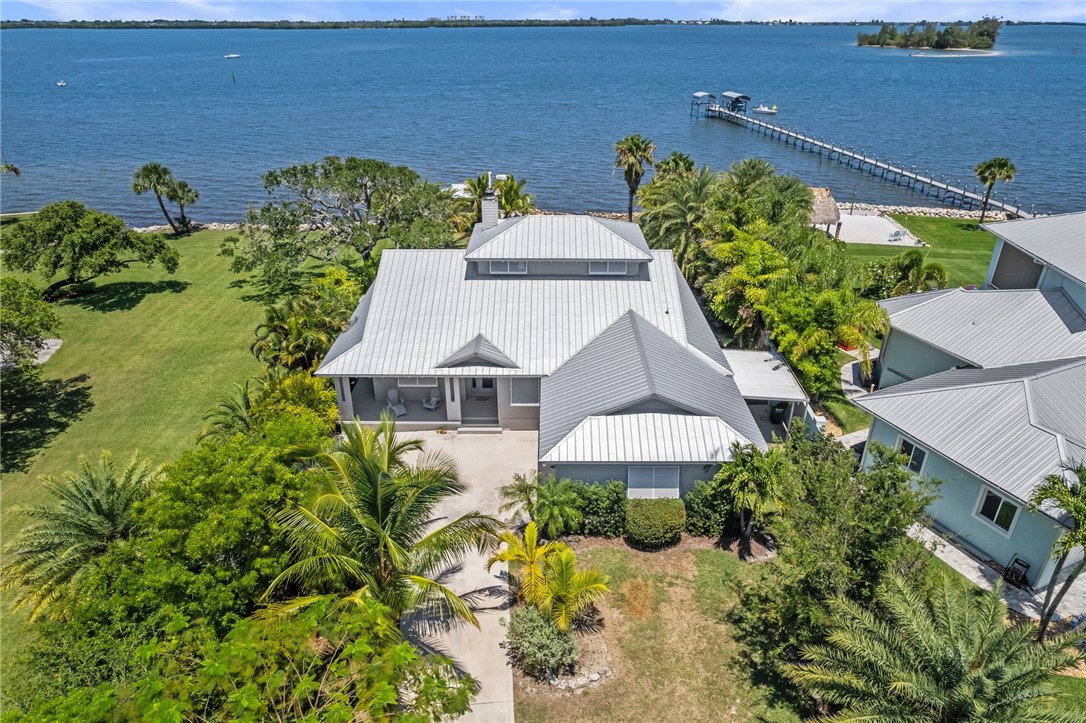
x=979, y=35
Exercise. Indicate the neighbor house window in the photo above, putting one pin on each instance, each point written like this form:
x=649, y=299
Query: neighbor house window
x=616, y=268
x=997, y=510
x=524, y=392
x=508, y=267
x=416, y=381
x=915, y=454
x=652, y=482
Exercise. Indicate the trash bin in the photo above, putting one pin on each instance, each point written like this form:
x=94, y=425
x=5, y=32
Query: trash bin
x=777, y=410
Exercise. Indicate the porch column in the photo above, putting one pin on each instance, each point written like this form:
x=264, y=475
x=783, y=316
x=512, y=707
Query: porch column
x=453, y=392
x=343, y=398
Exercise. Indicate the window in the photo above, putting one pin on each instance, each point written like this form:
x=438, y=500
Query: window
x=508, y=267
x=652, y=482
x=524, y=392
x=416, y=381
x=997, y=510
x=915, y=454
x=617, y=268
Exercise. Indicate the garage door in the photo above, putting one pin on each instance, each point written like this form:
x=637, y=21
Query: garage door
x=652, y=482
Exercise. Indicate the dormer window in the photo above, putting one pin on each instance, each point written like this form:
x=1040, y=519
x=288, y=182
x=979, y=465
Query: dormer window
x=509, y=267
x=608, y=268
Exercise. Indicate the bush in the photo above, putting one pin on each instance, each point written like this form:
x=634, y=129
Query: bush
x=536, y=646
x=298, y=393
x=603, y=507
x=652, y=524
x=707, y=511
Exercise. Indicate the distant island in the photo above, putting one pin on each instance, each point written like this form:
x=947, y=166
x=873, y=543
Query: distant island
x=978, y=35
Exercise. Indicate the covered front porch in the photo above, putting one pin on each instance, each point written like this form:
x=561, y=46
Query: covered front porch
x=460, y=401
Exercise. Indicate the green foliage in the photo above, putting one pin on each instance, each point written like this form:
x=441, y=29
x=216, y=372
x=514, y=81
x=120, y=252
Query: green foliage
x=299, y=393
x=603, y=508
x=989, y=173
x=980, y=35
x=80, y=244
x=739, y=294
x=529, y=556
x=676, y=206
x=751, y=482
x=632, y=155
x=557, y=507
x=708, y=510
x=677, y=164
x=512, y=200
x=232, y=414
x=903, y=274
x=519, y=496
x=949, y=655
x=568, y=593
x=26, y=320
x=537, y=646
x=654, y=523
x=1065, y=491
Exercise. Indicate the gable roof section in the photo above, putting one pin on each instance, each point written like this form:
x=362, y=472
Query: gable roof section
x=646, y=438
x=479, y=352
x=557, y=238
x=993, y=327
x=1059, y=241
x=1011, y=426
x=698, y=332
x=632, y=361
x=356, y=329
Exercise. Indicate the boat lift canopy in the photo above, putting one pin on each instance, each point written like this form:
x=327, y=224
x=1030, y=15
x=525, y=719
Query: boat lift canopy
x=734, y=101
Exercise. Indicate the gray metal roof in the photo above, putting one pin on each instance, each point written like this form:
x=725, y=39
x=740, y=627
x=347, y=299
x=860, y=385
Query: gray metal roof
x=633, y=362
x=1059, y=241
x=1010, y=426
x=647, y=437
x=764, y=375
x=993, y=327
x=554, y=238
x=356, y=329
x=698, y=333
x=478, y=350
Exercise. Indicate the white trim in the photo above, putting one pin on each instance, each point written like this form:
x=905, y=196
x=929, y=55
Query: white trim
x=984, y=491
x=916, y=445
x=426, y=382
x=508, y=267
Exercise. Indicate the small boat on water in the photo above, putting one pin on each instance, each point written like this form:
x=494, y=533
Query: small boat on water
x=916, y=55
x=764, y=109
x=61, y=84
x=231, y=56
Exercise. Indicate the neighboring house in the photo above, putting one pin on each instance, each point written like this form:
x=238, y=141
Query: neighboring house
x=986, y=390
x=566, y=324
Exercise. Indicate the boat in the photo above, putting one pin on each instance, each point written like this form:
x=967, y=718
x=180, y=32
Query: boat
x=916, y=55
x=61, y=84
x=764, y=109
x=231, y=56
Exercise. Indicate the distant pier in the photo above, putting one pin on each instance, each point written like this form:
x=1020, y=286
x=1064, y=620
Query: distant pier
x=704, y=104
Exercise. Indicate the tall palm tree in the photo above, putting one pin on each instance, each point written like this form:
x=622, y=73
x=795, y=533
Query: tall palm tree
x=531, y=555
x=786, y=200
x=93, y=510
x=557, y=507
x=750, y=481
x=950, y=655
x=675, y=208
x=991, y=171
x=1066, y=492
x=233, y=414
x=477, y=188
x=742, y=188
x=181, y=193
x=371, y=528
x=156, y=178
x=567, y=592
x=632, y=155
x=677, y=164
x=512, y=199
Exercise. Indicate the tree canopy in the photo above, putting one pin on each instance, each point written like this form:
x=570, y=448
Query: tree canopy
x=25, y=321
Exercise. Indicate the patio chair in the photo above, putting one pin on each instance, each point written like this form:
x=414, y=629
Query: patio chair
x=395, y=403
x=433, y=400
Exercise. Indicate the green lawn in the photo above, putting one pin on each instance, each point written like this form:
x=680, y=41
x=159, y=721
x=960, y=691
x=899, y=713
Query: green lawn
x=958, y=244
x=1071, y=696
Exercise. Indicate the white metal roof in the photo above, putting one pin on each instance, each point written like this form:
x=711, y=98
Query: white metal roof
x=991, y=327
x=764, y=375
x=652, y=437
x=1059, y=241
x=553, y=238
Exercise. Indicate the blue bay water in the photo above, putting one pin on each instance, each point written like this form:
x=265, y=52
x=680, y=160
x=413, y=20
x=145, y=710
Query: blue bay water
x=546, y=104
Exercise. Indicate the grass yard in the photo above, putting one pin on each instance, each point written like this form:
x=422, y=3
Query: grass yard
x=958, y=244
x=675, y=656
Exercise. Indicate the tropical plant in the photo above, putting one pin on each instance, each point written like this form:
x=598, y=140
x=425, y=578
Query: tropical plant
x=677, y=164
x=557, y=507
x=26, y=320
x=477, y=189
x=294, y=335
x=1065, y=492
x=750, y=481
x=747, y=269
x=519, y=496
x=903, y=274
x=94, y=509
x=654, y=523
x=529, y=555
x=181, y=193
x=370, y=527
x=632, y=155
x=512, y=199
x=232, y=414
x=921, y=277
x=991, y=171
x=10, y=168
x=675, y=207
x=567, y=592
x=603, y=505
x=298, y=394
x=157, y=179
x=537, y=646
x=950, y=655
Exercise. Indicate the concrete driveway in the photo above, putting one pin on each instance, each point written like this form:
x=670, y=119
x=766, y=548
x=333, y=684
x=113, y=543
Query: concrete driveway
x=486, y=461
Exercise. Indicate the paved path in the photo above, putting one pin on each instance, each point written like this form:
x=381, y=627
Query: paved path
x=862, y=228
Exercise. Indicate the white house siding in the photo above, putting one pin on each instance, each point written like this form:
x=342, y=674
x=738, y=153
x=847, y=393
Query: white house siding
x=689, y=474
x=905, y=358
x=1033, y=534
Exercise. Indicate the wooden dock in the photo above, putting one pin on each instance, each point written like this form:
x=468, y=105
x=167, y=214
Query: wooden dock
x=940, y=190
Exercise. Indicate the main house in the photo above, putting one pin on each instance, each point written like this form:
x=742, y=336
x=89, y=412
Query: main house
x=566, y=324
x=985, y=389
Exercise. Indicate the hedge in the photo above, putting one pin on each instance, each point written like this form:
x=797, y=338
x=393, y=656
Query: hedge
x=708, y=512
x=604, y=508
x=652, y=524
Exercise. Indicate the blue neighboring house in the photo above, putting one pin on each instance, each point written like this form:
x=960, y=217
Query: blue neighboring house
x=985, y=389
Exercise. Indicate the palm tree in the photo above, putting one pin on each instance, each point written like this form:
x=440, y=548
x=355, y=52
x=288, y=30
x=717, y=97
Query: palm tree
x=512, y=199
x=918, y=275
x=520, y=495
x=677, y=164
x=93, y=510
x=10, y=168
x=996, y=169
x=294, y=335
x=156, y=178
x=557, y=507
x=742, y=187
x=530, y=555
x=950, y=655
x=750, y=481
x=233, y=414
x=786, y=199
x=567, y=593
x=183, y=195
x=1066, y=492
x=477, y=188
x=675, y=208
x=632, y=154
x=371, y=528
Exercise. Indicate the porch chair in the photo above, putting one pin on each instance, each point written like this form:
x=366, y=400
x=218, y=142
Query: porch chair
x=395, y=403
x=433, y=400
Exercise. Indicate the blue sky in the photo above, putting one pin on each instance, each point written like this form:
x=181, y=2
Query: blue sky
x=810, y=10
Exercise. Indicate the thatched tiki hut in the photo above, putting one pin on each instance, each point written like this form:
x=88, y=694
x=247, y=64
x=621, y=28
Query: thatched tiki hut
x=824, y=211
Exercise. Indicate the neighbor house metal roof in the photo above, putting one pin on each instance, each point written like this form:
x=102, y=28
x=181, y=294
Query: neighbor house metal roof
x=631, y=363
x=422, y=307
x=1011, y=426
x=993, y=327
x=764, y=375
x=559, y=238
x=649, y=437
x=1059, y=241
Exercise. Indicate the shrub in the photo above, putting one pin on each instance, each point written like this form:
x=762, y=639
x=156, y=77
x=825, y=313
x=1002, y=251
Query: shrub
x=298, y=393
x=536, y=646
x=604, y=508
x=652, y=524
x=707, y=510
